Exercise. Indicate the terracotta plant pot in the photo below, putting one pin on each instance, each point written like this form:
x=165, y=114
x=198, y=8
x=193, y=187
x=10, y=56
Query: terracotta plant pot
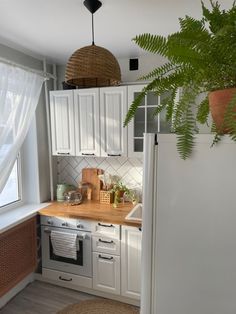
x=218, y=102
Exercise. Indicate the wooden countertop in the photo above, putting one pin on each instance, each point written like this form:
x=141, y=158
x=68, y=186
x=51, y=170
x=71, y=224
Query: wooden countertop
x=92, y=210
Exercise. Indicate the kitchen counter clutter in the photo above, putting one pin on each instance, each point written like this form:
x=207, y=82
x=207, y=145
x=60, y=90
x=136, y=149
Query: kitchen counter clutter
x=99, y=249
x=92, y=210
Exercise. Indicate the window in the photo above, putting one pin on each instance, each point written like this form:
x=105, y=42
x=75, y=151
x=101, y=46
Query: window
x=12, y=190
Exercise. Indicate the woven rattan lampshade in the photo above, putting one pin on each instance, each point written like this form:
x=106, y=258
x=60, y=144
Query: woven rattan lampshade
x=92, y=66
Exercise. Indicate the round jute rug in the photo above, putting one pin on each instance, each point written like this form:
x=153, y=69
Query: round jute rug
x=98, y=306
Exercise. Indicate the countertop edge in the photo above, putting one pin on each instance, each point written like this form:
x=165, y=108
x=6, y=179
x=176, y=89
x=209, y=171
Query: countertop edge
x=129, y=223
x=86, y=216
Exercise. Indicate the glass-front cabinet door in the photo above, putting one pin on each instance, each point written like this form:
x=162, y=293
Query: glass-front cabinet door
x=144, y=120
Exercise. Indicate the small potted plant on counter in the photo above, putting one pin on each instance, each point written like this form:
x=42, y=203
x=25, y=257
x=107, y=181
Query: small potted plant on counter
x=120, y=190
x=201, y=58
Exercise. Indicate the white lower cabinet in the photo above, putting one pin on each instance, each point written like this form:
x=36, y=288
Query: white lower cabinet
x=106, y=273
x=131, y=262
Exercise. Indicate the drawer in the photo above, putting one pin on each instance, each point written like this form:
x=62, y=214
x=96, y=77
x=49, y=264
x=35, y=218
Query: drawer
x=107, y=230
x=106, y=245
x=67, y=279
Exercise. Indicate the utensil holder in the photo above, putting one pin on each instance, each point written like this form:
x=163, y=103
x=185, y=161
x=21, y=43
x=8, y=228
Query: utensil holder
x=106, y=197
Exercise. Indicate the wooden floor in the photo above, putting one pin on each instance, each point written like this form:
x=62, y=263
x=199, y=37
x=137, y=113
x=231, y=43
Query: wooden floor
x=43, y=298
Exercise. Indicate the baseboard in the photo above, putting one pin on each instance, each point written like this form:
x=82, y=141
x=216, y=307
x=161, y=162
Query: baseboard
x=39, y=277
x=20, y=286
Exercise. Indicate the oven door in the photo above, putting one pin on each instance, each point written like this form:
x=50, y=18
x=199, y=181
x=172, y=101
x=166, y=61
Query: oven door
x=81, y=266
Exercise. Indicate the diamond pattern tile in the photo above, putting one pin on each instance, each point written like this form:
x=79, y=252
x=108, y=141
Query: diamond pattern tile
x=129, y=170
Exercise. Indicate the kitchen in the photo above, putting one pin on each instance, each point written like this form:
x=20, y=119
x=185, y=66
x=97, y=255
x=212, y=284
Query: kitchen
x=95, y=216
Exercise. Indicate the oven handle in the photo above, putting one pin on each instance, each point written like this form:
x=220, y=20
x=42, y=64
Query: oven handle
x=80, y=235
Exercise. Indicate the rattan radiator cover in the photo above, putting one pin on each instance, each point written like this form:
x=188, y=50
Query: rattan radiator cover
x=18, y=256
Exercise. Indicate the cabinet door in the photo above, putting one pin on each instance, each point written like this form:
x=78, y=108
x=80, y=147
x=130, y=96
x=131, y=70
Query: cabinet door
x=131, y=262
x=143, y=121
x=106, y=273
x=62, y=122
x=87, y=132
x=113, y=104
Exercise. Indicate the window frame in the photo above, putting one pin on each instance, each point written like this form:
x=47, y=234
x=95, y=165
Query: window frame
x=20, y=201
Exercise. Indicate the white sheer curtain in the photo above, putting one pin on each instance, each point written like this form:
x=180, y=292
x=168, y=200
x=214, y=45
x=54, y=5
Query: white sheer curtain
x=19, y=95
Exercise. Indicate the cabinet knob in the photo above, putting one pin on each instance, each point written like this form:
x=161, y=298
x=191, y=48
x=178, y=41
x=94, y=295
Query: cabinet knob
x=80, y=226
x=87, y=154
x=114, y=155
x=50, y=222
x=106, y=226
x=64, y=224
x=104, y=257
x=65, y=279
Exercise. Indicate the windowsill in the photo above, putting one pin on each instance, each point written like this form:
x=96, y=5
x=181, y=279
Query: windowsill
x=13, y=217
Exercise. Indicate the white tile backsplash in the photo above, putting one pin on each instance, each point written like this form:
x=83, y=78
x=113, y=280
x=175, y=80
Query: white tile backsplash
x=129, y=170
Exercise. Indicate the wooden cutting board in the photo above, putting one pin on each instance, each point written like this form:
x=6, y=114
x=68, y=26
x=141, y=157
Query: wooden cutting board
x=90, y=175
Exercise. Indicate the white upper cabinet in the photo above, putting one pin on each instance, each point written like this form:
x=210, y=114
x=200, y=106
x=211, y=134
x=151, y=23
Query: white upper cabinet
x=87, y=129
x=62, y=122
x=140, y=124
x=89, y=122
x=144, y=120
x=113, y=106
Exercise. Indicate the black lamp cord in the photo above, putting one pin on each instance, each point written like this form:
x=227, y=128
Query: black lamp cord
x=92, y=31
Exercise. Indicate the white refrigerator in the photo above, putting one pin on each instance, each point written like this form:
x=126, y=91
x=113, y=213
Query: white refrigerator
x=189, y=228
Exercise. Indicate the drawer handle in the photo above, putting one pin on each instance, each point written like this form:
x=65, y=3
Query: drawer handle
x=103, y=241
x=104, y=257
x=114, y=155
x=140, y=229
x=84, y=154
x=64, y=279
x=102, y=225
x=63, y=153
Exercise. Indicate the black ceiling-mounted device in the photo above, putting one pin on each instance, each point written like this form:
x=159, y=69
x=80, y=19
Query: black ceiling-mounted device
x=133, y=64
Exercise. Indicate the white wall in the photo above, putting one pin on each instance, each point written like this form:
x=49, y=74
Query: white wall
x=146, y=64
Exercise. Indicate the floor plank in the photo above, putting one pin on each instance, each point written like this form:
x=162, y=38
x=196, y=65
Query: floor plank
x=43, y=298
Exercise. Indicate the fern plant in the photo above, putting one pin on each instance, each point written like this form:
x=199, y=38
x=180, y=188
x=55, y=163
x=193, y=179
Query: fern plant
x=201, y=58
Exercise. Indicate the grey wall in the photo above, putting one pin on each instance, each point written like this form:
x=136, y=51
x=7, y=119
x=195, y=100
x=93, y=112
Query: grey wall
x=42, y=136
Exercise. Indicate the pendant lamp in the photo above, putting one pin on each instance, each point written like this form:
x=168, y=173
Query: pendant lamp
x=92, y=66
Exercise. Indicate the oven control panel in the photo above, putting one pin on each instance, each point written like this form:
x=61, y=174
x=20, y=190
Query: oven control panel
x=70, y=223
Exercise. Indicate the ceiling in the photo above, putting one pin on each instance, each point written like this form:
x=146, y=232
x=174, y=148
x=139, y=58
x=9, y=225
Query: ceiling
x=56, y=28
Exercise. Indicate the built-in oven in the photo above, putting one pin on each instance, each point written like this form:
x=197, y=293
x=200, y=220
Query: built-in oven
x=82, y=264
